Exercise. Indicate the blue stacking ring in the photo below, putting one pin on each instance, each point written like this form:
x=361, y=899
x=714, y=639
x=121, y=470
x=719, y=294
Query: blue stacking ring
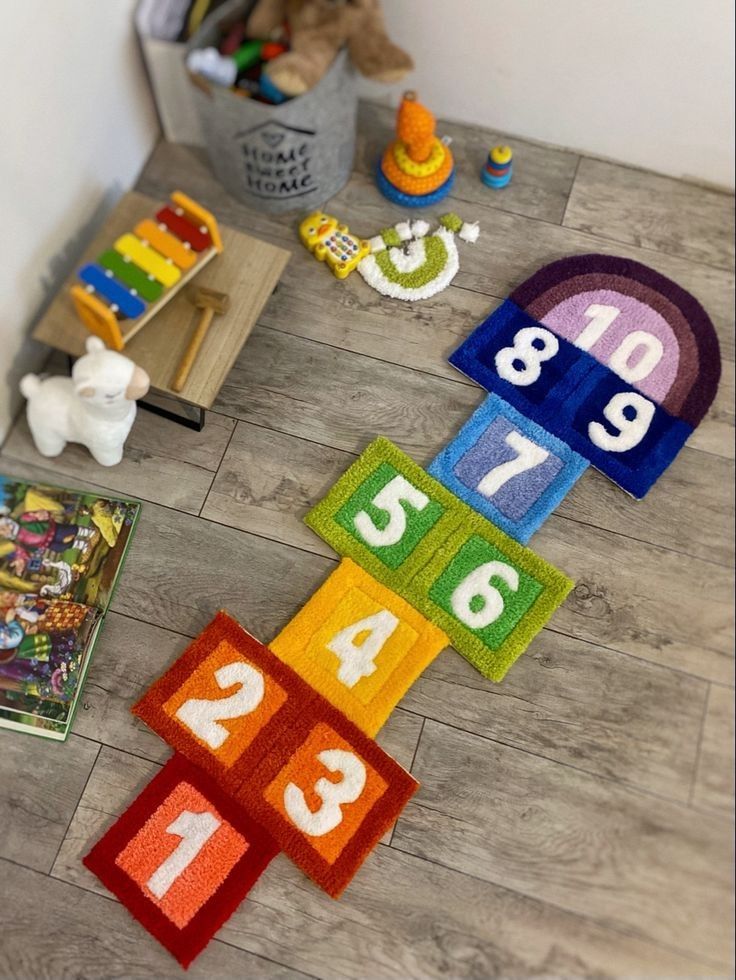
x=497, y=182
x=412, y=200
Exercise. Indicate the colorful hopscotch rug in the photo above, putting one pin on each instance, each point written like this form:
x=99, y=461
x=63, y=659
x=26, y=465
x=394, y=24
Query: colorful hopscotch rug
x=315, y=783
x=409, y=263
x=360, y=645
x=182, y=858
x=488, y=593
x=508, y=468
x=606, y=354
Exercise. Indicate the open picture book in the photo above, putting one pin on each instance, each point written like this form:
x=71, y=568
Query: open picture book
x=61, y=552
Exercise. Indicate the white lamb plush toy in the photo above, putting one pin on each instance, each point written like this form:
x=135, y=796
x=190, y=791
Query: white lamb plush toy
x=96, y=406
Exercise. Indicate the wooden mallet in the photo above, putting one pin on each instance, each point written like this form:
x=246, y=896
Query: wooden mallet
x=209, y=301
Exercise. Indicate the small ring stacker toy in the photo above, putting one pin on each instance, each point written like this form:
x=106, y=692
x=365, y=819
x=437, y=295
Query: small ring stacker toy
x=130, y=282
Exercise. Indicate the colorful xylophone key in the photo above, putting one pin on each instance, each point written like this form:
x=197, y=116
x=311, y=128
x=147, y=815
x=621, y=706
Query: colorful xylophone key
x=129, y=282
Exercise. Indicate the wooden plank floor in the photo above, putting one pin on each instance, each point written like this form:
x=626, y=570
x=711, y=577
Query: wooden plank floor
x=575, y=820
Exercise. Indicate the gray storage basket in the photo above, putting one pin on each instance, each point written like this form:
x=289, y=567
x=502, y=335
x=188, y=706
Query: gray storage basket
x=287, y=157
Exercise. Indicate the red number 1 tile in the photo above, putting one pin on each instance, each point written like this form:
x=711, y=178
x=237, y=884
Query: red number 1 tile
x=181, y=858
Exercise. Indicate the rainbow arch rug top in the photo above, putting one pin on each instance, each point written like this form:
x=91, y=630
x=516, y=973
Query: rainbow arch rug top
x=608, y=355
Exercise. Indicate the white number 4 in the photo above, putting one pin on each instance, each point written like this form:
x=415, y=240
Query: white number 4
x=359, y=661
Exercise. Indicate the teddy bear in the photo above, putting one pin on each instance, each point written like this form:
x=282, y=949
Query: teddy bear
x=317, y=30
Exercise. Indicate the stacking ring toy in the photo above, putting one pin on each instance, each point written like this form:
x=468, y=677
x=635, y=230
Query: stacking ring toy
x=412, y=200
x=437, y=156
x=415, y=185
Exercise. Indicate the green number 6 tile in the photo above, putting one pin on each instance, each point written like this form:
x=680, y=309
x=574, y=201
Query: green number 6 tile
x=490, y=594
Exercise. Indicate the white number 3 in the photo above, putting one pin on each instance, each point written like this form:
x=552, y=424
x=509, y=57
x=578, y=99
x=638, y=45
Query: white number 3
x=329, y=815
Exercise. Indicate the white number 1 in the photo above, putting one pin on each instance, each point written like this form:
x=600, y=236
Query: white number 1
x=602, y=318
x=529, y=455
x=195, y=829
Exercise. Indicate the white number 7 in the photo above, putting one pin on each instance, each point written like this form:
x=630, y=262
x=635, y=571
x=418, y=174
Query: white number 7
x=389, y=499
x=529, y=455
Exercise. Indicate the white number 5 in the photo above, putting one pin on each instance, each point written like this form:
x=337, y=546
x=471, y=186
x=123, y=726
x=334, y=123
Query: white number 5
x=389, y=499
x=332, y=795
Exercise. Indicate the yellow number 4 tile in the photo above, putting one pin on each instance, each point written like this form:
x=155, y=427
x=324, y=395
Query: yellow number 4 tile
x=359, y=644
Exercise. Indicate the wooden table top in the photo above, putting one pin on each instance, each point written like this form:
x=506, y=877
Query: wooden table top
x=248, y=270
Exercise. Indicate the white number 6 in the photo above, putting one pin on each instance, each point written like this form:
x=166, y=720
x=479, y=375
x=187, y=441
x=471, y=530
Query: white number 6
x=332, y=795
x=478, y=585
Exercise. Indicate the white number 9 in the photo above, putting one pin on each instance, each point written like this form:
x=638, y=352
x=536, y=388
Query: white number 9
x=631, y=431
x=478, y=585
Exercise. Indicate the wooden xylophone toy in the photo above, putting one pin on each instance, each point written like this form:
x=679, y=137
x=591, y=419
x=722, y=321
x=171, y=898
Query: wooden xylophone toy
x=143, y=269
x=594, y=359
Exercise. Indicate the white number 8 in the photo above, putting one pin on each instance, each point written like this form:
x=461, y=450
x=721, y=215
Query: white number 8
x=333, y=795
x=530, y=357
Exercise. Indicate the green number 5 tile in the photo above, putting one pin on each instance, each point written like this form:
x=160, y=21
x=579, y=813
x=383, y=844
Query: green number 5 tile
x=387, y=514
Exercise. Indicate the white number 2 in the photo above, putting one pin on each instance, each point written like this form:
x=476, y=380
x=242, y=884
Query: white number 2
x=195, y=829
x=631, y=431
x=359, y=661
x=478, y=585
x=529, y=455
x=333, y=795
x=203, y=716
x=527, y=355
x=389, y=499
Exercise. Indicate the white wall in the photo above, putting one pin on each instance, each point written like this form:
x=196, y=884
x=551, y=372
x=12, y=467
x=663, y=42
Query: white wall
x=76, y=126
x=646, y=82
